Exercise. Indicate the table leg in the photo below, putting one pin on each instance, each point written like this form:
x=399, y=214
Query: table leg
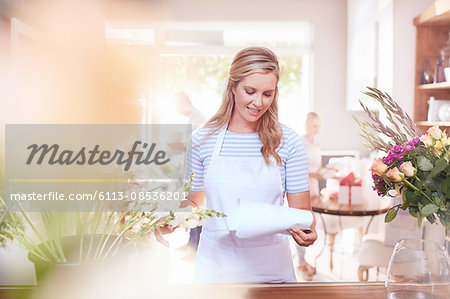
x=332, y=238
x=368, y=224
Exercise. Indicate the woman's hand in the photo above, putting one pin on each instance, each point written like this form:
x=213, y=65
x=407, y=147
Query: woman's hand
x=315, y=175
x=304, y=237
x=302, y=201
x=160, y=231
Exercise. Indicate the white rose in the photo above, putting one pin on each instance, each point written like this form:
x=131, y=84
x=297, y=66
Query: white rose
x=408, y=169
x=426, y=139
x=435, y=132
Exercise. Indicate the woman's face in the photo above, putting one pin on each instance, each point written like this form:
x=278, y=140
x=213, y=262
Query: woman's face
x=253, y=95
x=314, y=127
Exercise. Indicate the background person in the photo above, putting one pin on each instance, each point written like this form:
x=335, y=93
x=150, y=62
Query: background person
x=313, y=125
x=183, y=106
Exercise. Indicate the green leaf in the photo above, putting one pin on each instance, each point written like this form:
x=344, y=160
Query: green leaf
x=437, y=200
x=429, y=209
x=445, y=187
x=440, y=165
x=391, y=214
x=414, y=211
x=411, y=196
x=432, y=184
x=445, y=219
x=404, y=206
x=431, y=218
x=424, y=164
x=444, y=205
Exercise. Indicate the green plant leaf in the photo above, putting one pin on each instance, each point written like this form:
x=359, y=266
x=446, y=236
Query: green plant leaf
x=431, y=218
x=414, y=211
x=440, y=165
x=437, y=200
x=411, y=196
x=404, y=206
x=429, y=209
x=445, y=219
x=445, y=187
x=391, y=214
x=424, y=164
x=444, y=205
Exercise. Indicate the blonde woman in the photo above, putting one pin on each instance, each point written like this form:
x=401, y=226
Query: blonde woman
x=313, y=125
x=244, y=153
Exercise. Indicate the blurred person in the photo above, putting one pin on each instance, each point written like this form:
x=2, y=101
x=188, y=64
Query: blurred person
x=243, y=152
x=183, y=106
x=313, y=125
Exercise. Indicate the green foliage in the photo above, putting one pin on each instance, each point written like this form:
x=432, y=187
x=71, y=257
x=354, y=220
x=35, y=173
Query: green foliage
x=391, y=214
x=439, y=166
x=424, y=164
x=425, y=183
x=206, y=72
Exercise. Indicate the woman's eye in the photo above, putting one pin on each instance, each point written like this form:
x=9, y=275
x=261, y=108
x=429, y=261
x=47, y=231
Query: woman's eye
x=268, y=94
x=249, y=92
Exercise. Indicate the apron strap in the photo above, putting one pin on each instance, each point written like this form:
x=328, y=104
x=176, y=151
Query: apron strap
x=219, y=142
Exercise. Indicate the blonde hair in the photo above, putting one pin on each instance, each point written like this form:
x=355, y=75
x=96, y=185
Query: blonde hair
x=310, y=117
x=246, y=62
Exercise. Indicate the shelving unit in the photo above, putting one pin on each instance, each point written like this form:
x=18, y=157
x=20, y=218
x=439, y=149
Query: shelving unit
x=433, y=26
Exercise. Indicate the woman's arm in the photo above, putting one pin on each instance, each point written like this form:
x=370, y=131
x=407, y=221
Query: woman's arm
x=197, y=198
x=194, y=199
x=302, y=201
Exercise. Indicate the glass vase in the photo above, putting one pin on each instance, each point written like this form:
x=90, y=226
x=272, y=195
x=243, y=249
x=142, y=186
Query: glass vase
x=418, y=269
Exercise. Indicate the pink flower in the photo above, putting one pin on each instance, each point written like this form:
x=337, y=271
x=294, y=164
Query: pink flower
x=408, y=169
x=378, y=167
x=426, y=139
x=394, y=174
x=435, y=132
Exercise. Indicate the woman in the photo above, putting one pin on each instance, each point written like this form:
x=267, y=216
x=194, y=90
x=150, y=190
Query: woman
x=244, y=153
x=313, y=124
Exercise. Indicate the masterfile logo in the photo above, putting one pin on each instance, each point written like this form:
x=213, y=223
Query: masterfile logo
x=82, y=167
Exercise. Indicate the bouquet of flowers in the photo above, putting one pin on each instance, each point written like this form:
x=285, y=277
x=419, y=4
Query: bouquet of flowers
x=416, y=166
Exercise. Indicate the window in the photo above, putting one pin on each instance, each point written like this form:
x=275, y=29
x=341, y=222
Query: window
x=195, y=58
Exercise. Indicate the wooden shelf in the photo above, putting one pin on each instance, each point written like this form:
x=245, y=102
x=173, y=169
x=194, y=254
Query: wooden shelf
x=433, y=123
x=433, y=27
x=436, y=14
x=434, y=86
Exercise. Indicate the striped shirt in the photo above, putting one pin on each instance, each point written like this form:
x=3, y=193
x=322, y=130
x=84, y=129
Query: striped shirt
x=293, y=170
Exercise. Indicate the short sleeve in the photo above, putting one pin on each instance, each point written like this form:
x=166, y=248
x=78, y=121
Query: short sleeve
x=296, y=164
x=195, y=163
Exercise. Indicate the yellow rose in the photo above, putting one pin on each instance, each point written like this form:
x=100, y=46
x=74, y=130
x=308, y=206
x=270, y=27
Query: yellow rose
x=438, y=148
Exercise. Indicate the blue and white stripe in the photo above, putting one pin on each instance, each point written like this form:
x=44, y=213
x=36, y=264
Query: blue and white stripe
x=293, y=170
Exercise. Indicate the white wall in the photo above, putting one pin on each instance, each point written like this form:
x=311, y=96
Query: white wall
x=405, y=50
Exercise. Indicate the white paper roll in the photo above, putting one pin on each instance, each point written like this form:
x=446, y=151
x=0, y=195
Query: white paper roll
x=260, y=219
